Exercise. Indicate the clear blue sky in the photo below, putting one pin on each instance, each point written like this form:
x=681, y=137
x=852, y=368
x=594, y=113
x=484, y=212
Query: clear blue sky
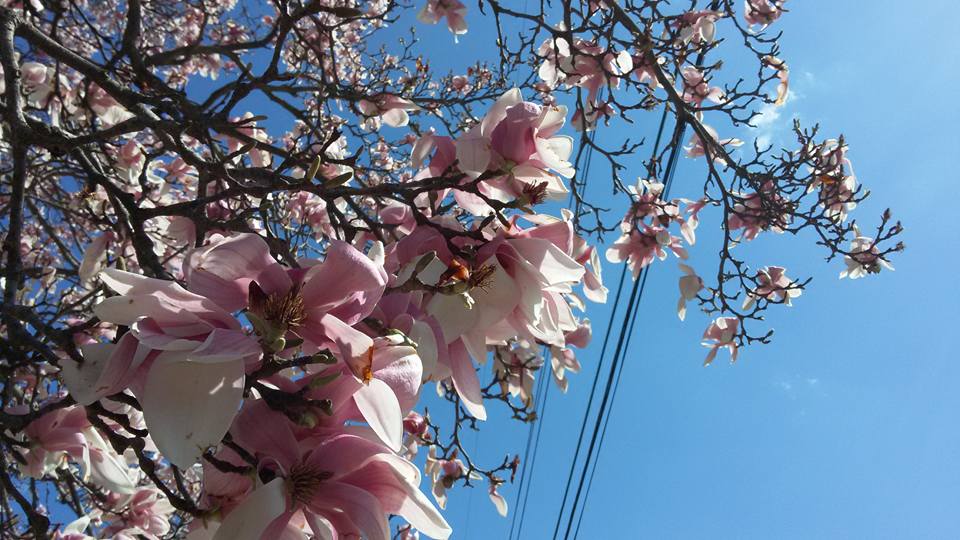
x=847, y=425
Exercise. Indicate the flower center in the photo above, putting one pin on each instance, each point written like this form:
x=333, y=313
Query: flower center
x=304, y=481
x=285, y=310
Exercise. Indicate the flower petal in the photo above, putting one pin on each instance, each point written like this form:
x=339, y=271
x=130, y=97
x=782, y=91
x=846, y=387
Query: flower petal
x=251, y=518
x=380, y=408
x=188, y=406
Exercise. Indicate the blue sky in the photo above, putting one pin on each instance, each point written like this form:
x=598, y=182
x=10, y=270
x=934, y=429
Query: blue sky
x=845, y=426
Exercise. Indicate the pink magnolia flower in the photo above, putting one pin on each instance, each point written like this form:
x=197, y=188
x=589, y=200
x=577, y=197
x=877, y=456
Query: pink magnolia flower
x=53, y=437
x=130, y=161
x=453, y=10
x=94, y=257
x=518, y=139
x=246, y=125
x=107, y=109
x=380, y=390
x=391, y=109
x=238, y=272
x=522, y=295
x=38, y=84
x=773, y=285
x=514, y=367
x=587, y=120
x=721, y=333
x=65, y=434
x=762, y=12
x=311, y=210
x=760, y=211
x=146, y=512
x=498, y=501
x=343, y=485
x=695, y=148
x=690, y=285
x=783, y=75
x=639, y=247
x=443, y=473
x=562, y=361
x=646, y=71
x=696, y=89
x=180, y=344
x=697, y=26
x=864, y=258
x=584, y=64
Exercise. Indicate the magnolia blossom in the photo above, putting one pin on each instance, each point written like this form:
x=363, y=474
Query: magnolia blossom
x=65, y=435
x=390, y=109
x=443, y=473
x=696, y=88
x=180, y=343
x=783, y=75
x=695, y=147
x=645, y=70
x=833, y=175
x=38, y=84
x=146, y=512
x=94, y=257
x=639, y=247
x=522, y=296
x=863, y=258
x=247, y=126
x=760, y=211
x=762, y=12
x=721, y=333
x=690, y=285
x=519, y=141
x=585, y=65
x=697, y=26
x=774, y=286
x=453, y=10
x=340, y=483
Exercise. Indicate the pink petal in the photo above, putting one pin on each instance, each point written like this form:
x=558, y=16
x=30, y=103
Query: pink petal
x=465, y=381
x=380, y=408
x=346, y=284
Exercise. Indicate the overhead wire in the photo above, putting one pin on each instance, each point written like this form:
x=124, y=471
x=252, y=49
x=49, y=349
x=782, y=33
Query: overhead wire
x=668, y=184
x=603, y=350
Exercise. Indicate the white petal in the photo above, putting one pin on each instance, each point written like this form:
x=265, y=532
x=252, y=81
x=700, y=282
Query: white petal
x=81, y=380
x=248, y=520
x=188, y=406
x=426, y=341
x=379, y=406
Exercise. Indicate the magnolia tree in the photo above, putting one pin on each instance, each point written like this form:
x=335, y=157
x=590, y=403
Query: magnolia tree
x=242, y=239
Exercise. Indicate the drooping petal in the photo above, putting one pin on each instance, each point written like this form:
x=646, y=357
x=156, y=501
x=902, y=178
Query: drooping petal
x=380, y=408
x=555, y=265
x=362, y=508
x=262, y=431
x=251, y=518
x=473, y=153
x=465, y=380
x=81, y=379
x=188, y=406
x=395, y=483
x=94, y=257
x=426, y=341
x=346, y=284
x=353, y=345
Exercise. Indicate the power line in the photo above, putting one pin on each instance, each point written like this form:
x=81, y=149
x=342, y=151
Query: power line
x=668, y=184
x=532, y=461
x=603, y=350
